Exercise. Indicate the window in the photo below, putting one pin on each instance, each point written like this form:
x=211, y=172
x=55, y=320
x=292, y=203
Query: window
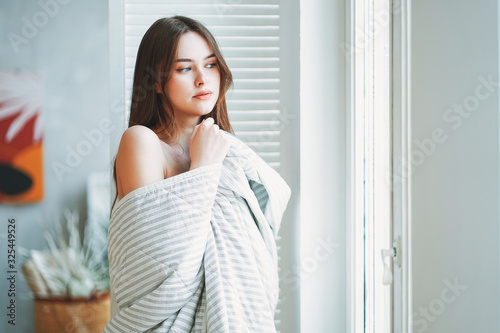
x=371, y=198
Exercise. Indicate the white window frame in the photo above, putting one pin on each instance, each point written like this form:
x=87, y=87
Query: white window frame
x=402, y=180
x=354, y=192
x=401, y=214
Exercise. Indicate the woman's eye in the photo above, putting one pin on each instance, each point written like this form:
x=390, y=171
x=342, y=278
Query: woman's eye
x=185, y=69
x=212, y=65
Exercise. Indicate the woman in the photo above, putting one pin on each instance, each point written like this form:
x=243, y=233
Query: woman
x=192, y=237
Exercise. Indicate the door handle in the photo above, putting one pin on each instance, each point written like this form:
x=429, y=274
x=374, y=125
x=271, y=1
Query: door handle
x=394, y=253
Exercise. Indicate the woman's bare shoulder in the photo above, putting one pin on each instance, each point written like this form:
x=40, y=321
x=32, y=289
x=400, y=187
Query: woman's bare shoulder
x=140, y=160
x=139, y=139
x=141, y=132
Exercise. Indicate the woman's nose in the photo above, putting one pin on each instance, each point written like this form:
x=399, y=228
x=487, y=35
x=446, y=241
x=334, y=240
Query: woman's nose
x=201, y=78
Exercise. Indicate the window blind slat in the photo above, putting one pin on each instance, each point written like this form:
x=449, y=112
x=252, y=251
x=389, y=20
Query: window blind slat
x=255, y=125
x=257, y=83
x=210, y=9
x=250, y=51
x=255, y=104
x=255, y=73
x=240, y=94
x=208, y=2
x=224, y=41
x=245, y=30
x=242, y=30
x=253, y=62
x=248, y=41
x=241, y=115
x=210, y=20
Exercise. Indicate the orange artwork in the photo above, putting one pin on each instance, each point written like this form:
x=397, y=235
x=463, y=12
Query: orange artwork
x=21, y=134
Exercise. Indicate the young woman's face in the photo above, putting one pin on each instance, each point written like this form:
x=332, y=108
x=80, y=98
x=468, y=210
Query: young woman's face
x=193, y=88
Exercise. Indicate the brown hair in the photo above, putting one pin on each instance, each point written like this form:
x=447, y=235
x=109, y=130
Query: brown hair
x=154, y=66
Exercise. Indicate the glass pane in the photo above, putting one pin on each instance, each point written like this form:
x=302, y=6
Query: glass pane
x=377, y=166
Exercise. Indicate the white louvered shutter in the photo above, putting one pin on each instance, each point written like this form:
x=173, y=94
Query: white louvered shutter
x=248, y=34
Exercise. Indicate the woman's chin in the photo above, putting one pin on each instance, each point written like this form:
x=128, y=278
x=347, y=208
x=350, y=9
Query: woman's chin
x=205, y=111
x=197, y=112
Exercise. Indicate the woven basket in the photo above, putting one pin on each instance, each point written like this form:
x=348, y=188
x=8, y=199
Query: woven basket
x=63, y=316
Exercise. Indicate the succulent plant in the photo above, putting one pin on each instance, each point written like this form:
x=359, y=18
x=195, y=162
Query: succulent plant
x=71, y=267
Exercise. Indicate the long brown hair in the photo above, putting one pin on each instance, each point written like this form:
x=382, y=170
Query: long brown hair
x=154, y=67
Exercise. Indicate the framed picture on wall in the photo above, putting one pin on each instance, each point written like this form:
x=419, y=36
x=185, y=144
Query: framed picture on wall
x=21, y=137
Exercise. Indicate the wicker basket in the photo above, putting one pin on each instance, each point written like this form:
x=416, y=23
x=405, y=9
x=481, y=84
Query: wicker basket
x=63, y=316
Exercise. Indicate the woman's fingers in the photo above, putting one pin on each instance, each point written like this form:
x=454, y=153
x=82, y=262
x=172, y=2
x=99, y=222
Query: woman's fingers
x=208, y=121
x=194, y=131
x=205, y=122
x=207, y=144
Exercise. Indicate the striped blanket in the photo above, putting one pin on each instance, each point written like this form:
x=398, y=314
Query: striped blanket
x=196, y=252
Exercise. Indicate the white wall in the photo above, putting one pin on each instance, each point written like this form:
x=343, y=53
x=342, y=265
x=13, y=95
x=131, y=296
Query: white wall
x=323, y=174
x=71, y=53
x=455, y=194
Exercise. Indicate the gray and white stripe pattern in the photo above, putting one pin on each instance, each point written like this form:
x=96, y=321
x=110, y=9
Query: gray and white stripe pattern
x=196, y=252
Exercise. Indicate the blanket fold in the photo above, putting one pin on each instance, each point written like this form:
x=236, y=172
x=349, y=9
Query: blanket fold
x=196, y=252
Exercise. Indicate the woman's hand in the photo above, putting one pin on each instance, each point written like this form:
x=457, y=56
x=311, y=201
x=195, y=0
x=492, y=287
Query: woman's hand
x=207, y=145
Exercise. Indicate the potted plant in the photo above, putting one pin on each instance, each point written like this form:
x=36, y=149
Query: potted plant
x=69, y=281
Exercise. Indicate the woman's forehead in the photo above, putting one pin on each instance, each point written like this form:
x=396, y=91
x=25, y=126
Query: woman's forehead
x=194, y=47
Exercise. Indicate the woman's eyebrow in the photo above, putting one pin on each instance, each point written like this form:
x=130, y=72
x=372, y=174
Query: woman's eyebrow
x=191, y=60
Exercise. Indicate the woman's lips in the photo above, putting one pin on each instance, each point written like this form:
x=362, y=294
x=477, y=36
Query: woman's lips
x=203, y=95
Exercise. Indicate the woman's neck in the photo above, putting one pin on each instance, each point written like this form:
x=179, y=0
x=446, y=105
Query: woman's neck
x=184, y=129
